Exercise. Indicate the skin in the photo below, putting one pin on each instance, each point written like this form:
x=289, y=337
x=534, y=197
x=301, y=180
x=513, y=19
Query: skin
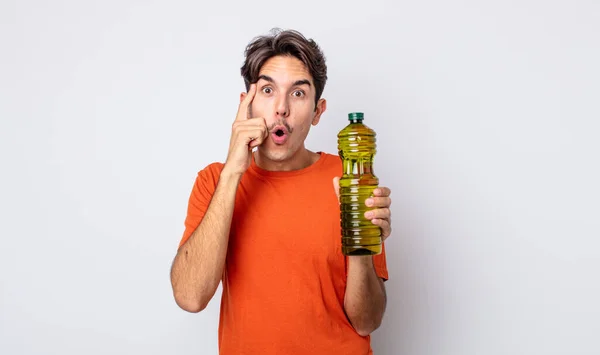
x=284, y=96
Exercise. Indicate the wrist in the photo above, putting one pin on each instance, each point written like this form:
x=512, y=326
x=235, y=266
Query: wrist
x=228, y=176
x=362, y=261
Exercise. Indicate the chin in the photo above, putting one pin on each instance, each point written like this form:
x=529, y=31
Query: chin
x=278, y=154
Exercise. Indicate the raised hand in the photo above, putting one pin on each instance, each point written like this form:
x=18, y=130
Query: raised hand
x=380, y=214
x=246, y=134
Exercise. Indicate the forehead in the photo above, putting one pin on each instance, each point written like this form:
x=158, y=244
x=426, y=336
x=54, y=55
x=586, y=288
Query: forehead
x=285, y=69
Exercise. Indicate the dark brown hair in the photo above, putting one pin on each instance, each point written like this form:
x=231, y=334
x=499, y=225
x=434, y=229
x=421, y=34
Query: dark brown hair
x=288, y=42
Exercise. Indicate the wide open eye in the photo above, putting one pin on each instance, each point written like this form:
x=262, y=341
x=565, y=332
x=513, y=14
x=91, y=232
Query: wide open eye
x=298, y=93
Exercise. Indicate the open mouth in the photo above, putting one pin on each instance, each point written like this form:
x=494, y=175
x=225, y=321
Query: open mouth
x=279, y=135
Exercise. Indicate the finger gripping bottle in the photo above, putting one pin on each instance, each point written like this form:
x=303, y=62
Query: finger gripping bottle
x=356, y=146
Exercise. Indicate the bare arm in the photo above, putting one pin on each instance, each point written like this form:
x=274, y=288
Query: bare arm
x=365, y=299
x=199, y=263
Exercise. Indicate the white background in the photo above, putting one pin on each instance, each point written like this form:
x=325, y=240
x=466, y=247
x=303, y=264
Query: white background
x=487, y=118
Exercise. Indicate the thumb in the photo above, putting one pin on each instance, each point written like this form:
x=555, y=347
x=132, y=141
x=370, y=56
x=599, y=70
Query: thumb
x=336, y=187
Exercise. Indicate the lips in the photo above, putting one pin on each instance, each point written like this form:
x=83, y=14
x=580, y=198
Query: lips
x=279, y=135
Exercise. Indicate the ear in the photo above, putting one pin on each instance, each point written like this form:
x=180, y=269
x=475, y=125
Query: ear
x=243, y=96
x=321, y=107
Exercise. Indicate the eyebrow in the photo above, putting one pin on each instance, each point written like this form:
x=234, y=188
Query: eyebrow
x=296, y=83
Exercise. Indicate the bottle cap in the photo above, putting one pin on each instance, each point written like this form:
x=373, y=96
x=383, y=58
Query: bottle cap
x=355, y=116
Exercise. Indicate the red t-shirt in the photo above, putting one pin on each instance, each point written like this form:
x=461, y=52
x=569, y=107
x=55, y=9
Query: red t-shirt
x=285, y=274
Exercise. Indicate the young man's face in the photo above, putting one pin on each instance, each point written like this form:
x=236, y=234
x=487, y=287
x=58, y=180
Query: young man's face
x=285, y=98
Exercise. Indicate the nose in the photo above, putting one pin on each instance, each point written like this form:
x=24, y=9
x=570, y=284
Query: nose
x=282, y=108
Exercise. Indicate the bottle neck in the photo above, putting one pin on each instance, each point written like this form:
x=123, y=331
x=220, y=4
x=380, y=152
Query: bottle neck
x=355, y=120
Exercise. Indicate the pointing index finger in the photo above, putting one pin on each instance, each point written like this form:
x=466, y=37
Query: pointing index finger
x=245, y=104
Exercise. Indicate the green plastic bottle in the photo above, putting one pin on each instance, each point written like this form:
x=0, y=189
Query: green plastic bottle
x=357, y=148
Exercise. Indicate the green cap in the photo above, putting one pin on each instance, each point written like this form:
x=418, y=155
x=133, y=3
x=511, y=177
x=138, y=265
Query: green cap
x=355, y=116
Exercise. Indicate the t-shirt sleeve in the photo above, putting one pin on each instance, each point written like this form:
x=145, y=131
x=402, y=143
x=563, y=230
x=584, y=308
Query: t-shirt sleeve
x=200, y=197
x=381, y=264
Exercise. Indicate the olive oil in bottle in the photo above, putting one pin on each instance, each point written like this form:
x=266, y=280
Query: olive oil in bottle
x=357, y=148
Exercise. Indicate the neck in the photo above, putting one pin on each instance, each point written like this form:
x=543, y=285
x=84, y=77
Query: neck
x=300, y=160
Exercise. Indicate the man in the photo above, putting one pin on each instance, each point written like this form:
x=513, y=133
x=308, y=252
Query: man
x=267, y=223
